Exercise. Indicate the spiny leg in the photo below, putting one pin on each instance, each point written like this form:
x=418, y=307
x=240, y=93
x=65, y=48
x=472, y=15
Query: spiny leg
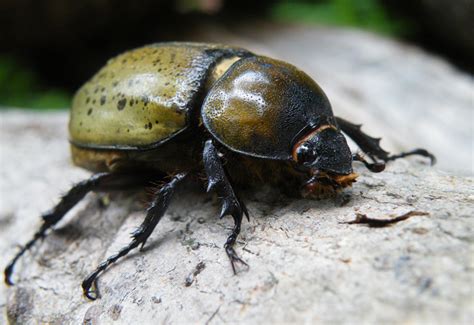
x=97, y=182
x=231, y=204
x=371, y=146
x=155, y=212
x=415, y=152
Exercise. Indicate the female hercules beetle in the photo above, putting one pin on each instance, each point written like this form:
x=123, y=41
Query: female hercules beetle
x=179, y=108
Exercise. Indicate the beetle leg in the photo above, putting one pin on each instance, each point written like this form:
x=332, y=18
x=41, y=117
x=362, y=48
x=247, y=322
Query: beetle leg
x=376, y=167
x=97, y=182
x=419, y=152
x=371, y=146
x=155, y=212
x=231, y=204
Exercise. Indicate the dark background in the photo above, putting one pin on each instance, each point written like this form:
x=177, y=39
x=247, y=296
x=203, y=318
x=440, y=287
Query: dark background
x=48, y=48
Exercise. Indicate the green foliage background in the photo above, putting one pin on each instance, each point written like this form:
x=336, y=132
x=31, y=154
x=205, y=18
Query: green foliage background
x=21, y=87
x=364, y=14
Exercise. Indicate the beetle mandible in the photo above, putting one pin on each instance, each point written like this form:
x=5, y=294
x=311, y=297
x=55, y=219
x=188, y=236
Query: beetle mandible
x=168, y=111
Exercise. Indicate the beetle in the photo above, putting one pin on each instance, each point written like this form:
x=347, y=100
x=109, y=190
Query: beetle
x=168, y=111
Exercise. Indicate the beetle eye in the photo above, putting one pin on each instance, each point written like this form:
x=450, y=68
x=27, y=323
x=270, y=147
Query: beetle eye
x=306, y=153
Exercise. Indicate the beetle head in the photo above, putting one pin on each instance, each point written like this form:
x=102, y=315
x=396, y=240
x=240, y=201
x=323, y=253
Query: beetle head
x=325, y=155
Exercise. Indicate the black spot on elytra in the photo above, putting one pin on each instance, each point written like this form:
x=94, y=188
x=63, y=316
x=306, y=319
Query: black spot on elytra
x=88, y=99
x=89, y=112
x=156, y=122
x=121, y=104
x=102, y=100
x=131, y=102
x=93, y=101
x=150, y=125
x=114, y=84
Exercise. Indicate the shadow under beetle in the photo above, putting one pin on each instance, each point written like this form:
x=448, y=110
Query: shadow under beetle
x=171, y=110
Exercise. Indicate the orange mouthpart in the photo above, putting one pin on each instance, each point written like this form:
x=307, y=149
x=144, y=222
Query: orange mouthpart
x=319, y=191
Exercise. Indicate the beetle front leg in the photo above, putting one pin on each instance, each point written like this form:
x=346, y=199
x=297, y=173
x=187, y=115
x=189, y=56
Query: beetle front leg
x=231, y=204
x=97, y=182
x=371, y=146
x=155, y=212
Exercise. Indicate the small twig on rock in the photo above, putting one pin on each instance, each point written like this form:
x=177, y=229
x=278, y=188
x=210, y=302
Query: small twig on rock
x=213, y=315
x=378, y=223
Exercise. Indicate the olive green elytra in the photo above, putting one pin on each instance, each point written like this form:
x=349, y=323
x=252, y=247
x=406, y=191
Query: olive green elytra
x=167, y=112
x=144, y=96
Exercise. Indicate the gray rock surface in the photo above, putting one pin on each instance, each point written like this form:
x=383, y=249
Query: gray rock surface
x=306, y=264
